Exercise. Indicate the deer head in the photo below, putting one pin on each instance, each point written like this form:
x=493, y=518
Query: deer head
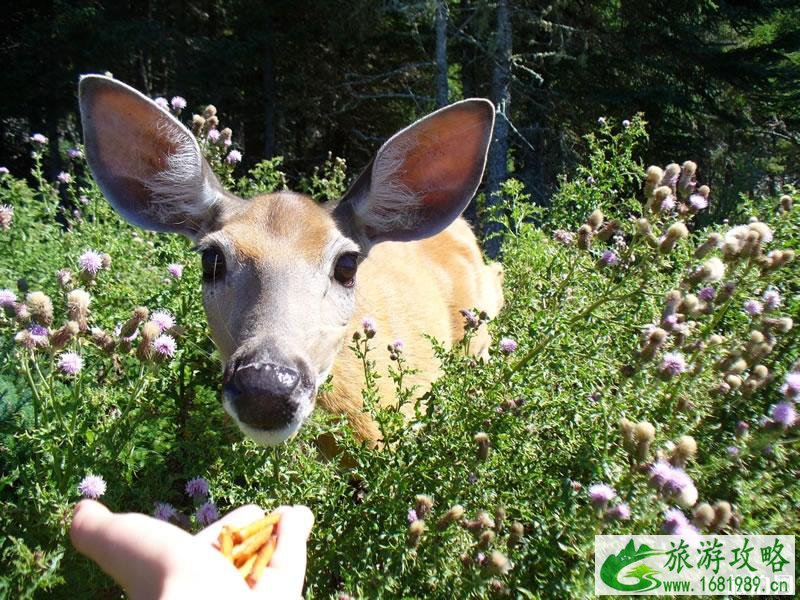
x=279, y=270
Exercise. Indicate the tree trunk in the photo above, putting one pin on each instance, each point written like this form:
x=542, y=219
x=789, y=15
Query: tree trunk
x=269, y=89
x=498, y=152
x=442, y=91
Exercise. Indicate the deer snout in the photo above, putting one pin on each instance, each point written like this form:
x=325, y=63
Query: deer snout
x=269, y=399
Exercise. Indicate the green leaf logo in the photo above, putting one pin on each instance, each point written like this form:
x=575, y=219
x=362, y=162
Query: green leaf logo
x=614, y=564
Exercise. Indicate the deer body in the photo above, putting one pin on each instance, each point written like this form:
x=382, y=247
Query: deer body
x=286, y=280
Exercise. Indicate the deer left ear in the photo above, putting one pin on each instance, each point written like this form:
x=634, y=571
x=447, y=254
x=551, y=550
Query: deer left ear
x=423, y=177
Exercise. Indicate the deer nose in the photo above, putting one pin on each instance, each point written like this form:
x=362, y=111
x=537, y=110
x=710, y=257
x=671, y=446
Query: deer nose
x=262, y=394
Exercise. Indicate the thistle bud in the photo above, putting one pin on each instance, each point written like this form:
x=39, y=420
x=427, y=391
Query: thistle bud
x=499, y=517
x=64, y=277
x=595, y=219
x=715, y=340
x=481, y=522
x=627, y=427
x=585, y=237
x=726, y=292
x=643, y=226
x=482, y=440
x=734, y=381
x=105, y=261
x=686, y=182
x=516, y=533
x=61, y=336
x=704, y=191
x=712, y=242
x=684, y=451
x=662, y=200
x=486, y=538
x=722, y=515
x=78, y=307
x=671, y=173
x=759, y=372
x=424, y=505
x=498, y=564
x=738, y=366
x=689, y=304
x=198, y=123
x=657, y=336
x=104, y=341
x=780, y=325
x=211, y=123
x=415, y=531
x=652, y=180
x=225, y=136
x=209, y=111
x=786, y=203
x=40, y=307
x=451, y=516
x=645, y=433
x=703, y=515
x=140, y=313
x=675, y=233
x=607, y=230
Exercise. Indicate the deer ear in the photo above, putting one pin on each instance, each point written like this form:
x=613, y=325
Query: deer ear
x=147, y=164
x=423, y=177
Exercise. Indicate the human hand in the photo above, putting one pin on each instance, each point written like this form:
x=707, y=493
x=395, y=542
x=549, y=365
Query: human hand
x=154, y=559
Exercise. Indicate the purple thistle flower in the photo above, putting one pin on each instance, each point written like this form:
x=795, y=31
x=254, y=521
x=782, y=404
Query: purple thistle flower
x=39, y=335
x=772, y=299
x=164, y=511
x=92, y=486
x=472, y=478
x=675, y=482
x=609, y=258
x=470, y=318
x=197, y=487
x=601, y=494
x=480, y=558
x=742, y=427
x=90, y=261
x=7, y=298
x=784, y=414
x=668, y=203
x=791, y=387
x=659, y=471
x=175, y=270
x=164, y=320
x=234, y=156
x=674, y=520
x=38, y=138
x=620, y=512
x=626, y=123
x=412, y=516
x=707, y=294
x=733, y=451
x=753, y=308
x=213, y=135
x=368, y=324
x=398, y=345
x=162, y=103
x=507, y=345
x=165, y=345
x=178, y=102
x=70, y=363
x=563, y=236
x=207, y=513
x=672, y=364
x=670, y=321
x=590, y=180
x=74, y=153
x=64, y=177
x=4, y=171
x=130, y=338
x=698, y=202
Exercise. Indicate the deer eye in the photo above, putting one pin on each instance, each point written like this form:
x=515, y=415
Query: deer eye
x=213, y=263
x=344, y=271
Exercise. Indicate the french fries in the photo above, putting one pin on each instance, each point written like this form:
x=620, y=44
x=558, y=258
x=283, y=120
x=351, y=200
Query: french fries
x=250, y=548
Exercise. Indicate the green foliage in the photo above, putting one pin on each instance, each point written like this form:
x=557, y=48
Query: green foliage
x=550, y=409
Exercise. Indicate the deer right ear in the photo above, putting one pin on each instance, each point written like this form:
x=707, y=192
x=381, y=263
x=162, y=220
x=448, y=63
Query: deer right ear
x=146, y=163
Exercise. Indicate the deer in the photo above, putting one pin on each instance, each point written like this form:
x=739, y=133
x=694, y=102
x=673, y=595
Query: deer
x=287, y=280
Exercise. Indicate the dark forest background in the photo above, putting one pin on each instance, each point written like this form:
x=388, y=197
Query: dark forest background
x=717, y=81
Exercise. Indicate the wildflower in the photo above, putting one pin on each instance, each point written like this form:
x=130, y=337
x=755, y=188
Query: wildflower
x=791, y=387
x=742, y=428
x=6, y=216
x=686, y=182
x=498, y=564
x=626, y=123
x=164, y=345
x=451, y=516
x=671, y=174
x=197, y=487
x=234, y=156
x=424, y=504
x=786, y=203
x=628, y=435
x=684, y=451
x=784, y=414
x=38, y=138
x=703, y=515
x=62, y=336
x=482, y=440
x=590, y=180
x=697, y=202
x=620, y=512
x=64, y=177
x=7, y=298
x=507, y=345
x=659, y=472
x=41, y=307
x=601, y=494
x=178, y=103
x=585, y=237
x=732, y=451
x=415, y=531
x=601, y=120
x=74, y=153
x=712, y=242
x=92, y=486
x=517, y=531
x=175, y=270
x=207, y=513
x=471, y=320
x=225, y=135
x=672, y=364
x=163, y=319
x=164, y=511
x=368, y=325
x=644, y=433
x=674, y=521
x=609, y=258
x=90, y=262
x=675, y=233
x=198, y=123
x=652, y=180
x=595, y=219
x=707, y=294
x=70, y=363
x=213, y=135
x=563, y=237
x=162, y=103
x=753, y=308
x=64, y=277
x=668, y=204
x=763, y=231
x=411, y=516
x=397, y=346
x=78, y=301
x=4, y=171
x=772, y=299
